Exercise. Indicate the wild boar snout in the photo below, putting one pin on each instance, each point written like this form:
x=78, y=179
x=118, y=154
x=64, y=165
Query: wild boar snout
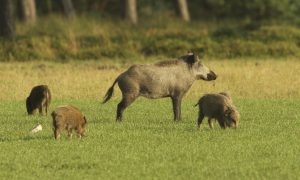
x=232, y=119
x=211, y=76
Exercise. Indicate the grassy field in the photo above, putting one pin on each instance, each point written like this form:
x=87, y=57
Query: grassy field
x=148, y=144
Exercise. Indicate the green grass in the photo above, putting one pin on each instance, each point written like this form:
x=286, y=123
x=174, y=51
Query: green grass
x=149, y=145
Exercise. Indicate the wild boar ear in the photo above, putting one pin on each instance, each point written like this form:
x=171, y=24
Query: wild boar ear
x=191, y=59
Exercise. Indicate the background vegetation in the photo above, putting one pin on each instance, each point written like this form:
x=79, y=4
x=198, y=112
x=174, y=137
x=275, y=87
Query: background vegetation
x=224, y=28
x=54, y=39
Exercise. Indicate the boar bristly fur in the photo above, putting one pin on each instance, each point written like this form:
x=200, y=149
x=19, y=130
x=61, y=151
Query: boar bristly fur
x=219, y=107
x=164, y=79
x=39, y=98
x=70, y=118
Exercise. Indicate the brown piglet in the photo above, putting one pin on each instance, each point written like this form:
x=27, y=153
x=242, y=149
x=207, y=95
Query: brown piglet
x=70, y=118
x=220, y=107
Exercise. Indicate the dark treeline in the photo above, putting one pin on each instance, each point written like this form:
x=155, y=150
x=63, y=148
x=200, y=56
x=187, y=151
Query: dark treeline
x=132, y=10
x=198, y=9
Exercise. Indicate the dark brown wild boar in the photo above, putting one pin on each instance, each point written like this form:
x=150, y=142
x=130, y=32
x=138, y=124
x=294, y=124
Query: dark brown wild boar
x=219, y=107
x=39, y=97
x=69, y=118
x=164, y=79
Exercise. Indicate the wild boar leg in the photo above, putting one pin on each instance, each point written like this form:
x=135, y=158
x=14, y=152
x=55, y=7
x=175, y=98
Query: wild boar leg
x=46, y=107
x=125, y=102
x=57, y=133
x=176, y=101
x=200, y=118
x=222, y=123
x=40, y=109
x=80, y=131
x=69, y=132
x=210, y=123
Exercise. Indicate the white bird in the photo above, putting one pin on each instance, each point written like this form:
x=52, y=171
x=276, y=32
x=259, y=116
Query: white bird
x=37, y=128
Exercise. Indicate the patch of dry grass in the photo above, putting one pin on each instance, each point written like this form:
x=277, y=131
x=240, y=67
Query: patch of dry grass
x=253, y=79
x=91, y=79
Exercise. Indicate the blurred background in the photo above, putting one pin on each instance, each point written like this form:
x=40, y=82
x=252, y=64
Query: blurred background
x=64, y=30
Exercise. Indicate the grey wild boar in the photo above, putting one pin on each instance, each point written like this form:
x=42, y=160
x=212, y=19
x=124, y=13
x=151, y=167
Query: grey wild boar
x=219, y=107
x=171, y=78
x=39, y=98
x=70, y=118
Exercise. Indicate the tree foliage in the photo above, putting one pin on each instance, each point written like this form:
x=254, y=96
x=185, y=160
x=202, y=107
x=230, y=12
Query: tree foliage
x=199, y=9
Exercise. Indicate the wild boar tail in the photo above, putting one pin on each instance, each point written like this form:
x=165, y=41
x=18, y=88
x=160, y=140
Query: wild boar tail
x=109, y=92
x=198, y=103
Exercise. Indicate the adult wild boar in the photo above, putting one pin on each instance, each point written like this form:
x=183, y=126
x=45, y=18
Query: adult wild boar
x=70, y=118
x=171, y=78
x=39, y=97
